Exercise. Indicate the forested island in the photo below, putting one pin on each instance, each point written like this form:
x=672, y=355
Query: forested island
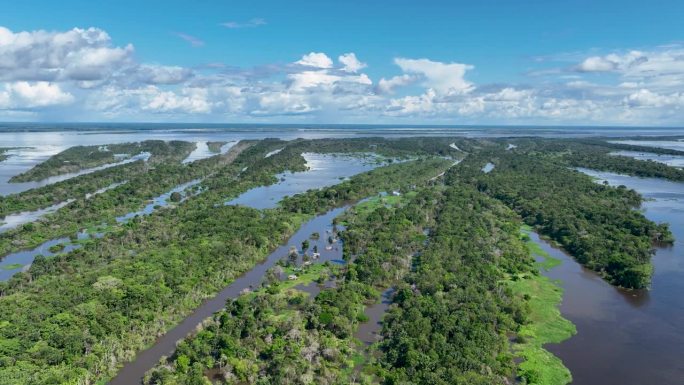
x=443, y=243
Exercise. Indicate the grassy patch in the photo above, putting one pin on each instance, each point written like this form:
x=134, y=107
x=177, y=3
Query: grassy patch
x=377, y=201
x=546, y=325
x=12, y=266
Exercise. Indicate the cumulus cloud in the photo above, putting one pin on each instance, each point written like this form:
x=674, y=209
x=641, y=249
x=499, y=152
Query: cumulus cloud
x=663, y=66
x=387, y=86
x=351, y=63
x=647, y=98
x=83, y=73
x=315, y=60
x=155, y=74
x=77, y=54
x=445, y=78
x=22, y=95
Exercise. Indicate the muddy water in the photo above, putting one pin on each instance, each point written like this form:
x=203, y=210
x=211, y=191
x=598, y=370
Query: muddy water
x=368, y=332
x=132, y=372
x=628, y=337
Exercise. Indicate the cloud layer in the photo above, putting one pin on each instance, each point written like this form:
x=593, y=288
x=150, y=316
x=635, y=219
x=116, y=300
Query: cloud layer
x=82, y=72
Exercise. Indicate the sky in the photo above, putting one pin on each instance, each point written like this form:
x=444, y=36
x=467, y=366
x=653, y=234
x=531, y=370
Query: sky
x=505, y=62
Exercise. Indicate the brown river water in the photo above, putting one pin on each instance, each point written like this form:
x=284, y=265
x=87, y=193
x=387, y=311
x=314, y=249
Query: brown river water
x=132, y=372
x=628, y=337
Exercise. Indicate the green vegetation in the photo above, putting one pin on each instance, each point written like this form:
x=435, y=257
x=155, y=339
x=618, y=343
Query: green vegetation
x=546, y=325
x=167, y=155
x=464, y=279
x=12, y=266
x=83, y=157
x=596, y=224
x=131, y=196
x=3, y=154
x=454, y=311
x=595, y=154
x=96, y=306
x=215, y=147
x=277, y=335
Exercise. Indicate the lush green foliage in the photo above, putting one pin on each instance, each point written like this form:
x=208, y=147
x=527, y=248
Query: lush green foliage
x=96, y=306
x=215, y=147
x=453, y=312
x=597, y=224
x=546, y=325
x=163, y=155
x=596, y=154
x=281, y=336
x=82, y=157
x=464, y=280
x=388, y=178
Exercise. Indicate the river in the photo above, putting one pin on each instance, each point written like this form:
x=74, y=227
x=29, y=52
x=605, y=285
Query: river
x=628, y=337
x=132, y=373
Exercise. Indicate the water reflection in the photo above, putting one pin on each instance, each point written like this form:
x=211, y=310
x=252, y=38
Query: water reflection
x=324, y=170
x=670, y=160
x=15, y=220
x=668, y=144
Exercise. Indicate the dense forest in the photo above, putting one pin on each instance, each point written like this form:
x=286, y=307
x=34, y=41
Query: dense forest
x=112, y=296
x=83, y=157
x=426, y=222
x=597, y=224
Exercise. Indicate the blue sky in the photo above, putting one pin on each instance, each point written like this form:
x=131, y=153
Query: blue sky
x=450, y=62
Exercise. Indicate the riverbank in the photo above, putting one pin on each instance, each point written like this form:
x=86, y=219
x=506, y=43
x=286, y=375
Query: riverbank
x=546, y=324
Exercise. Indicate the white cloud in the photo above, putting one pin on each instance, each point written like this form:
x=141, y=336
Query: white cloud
x=23, y=95
x=445, y=78
x=87, y=76
x=662, y=67
x=190, y=100
x=647, y=98
x=315, y=60
x=387, y=86
x=351, y=63
x=77, y=54
x=155, y=74
x=597, y=64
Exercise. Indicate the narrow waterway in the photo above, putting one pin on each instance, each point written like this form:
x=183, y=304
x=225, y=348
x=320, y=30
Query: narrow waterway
x=15, y=220
x=17, y=164
x=13, y=263
x=628, y=337
x=132, y=373
x=368, y=332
